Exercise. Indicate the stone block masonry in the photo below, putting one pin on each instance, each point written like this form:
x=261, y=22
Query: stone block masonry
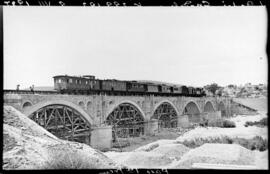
x=96, y=109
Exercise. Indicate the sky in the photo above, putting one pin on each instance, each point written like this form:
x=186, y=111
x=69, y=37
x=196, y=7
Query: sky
x=184, y=45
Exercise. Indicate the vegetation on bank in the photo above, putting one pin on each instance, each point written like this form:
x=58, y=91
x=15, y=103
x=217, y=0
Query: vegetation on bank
x=62, y=159
x=223, y=123
x=256, y=143
x=260, y=123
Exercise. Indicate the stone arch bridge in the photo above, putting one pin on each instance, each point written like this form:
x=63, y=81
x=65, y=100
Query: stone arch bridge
x=81, y=112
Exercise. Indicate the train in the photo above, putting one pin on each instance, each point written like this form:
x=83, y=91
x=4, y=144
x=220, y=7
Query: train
x=88, y=84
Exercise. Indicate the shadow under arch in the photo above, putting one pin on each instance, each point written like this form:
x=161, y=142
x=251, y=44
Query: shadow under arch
x=208, y=107
x=191, y=104
x=27, y=104
x=222, y=108
x=193, y=111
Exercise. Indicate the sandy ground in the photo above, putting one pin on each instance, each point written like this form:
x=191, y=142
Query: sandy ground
x=165, y=134
x=259, y=104
x=170, y=155
x=240, y=120
x=182, y=157
x=158, y=154
x=261, y=159
x=240, y=131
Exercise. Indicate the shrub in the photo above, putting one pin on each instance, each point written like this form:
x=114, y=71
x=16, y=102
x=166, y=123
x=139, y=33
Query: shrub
x=204, y=122
x=228, y=123
x=220, y=122
x=261, y=123
x=256, y=143
x=248, y=123
x=152, y=147
x=68, y=160
x=259, y=143
x=200, y=141
x=215, y=123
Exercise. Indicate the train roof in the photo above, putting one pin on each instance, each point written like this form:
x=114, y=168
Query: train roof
x=115, y=80
x=58, y=76
x=159, y=83
x=84, y=76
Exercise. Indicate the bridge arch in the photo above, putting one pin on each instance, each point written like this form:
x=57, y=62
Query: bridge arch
x=63, y=119
x=40, y=105
x=209, y=107
x=27, y=104
x=81, y=103
x=165, y=101
x=191, y=107
x=110, y=110
x=193, y=111
x=89, y=105
x=166, y=113
x=127, y=119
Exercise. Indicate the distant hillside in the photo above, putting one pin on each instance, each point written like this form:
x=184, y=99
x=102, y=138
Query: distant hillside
x=42, y=88
x=259, y=104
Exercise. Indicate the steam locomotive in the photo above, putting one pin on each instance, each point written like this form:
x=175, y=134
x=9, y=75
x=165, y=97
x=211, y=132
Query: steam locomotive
x=88, y=84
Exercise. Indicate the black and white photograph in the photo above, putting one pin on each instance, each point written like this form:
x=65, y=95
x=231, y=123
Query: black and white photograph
x=135, y=87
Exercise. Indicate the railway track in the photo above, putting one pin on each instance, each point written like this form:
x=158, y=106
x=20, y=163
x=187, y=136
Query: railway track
x=97, y=92
x=10, y=91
